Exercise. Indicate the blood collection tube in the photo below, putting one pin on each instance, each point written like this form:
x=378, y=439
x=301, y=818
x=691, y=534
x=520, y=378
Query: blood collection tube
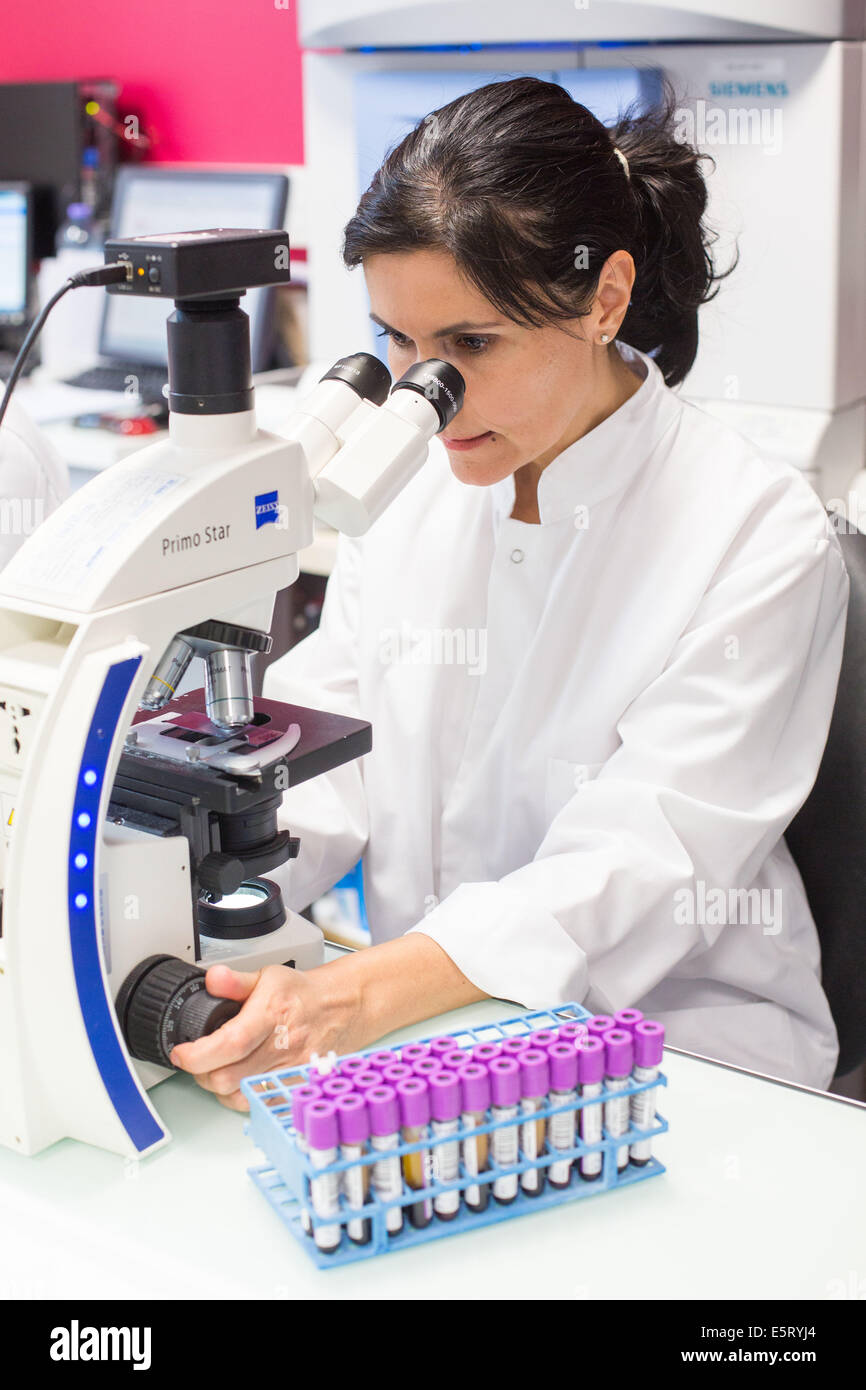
x=599, y=1025
x=570, y=1032
x=414, y=1097
x=335, y=1086
x=590, y=1076
x=562, y=1057
x=378, y=1061
x=618, y=1061
x=649, y=1041
x=412, y=1051
x=426, y=1066
x=398, y=1071
x=504, y=1142
x=322, y=1134
x=475, y=1091
x=534, y=1086
x=543, y=1037
x=301, y=1098
x=486, y=1052
x=456, y=1059
x=445, y=1122
x=627, y=1018
x=439, y=1046
x=386, y=1178
x=512, y=1047
x=354, y=1129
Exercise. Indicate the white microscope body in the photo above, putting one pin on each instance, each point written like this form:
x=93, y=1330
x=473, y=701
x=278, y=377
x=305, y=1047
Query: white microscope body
x=203, y=527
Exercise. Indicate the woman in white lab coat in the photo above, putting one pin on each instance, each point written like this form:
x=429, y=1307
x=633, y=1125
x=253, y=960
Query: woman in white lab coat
x=598, y=637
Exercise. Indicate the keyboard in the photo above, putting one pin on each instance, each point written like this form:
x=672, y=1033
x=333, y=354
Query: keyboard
x=148, y=380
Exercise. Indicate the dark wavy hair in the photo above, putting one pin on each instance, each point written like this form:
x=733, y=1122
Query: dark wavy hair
x=515, y=178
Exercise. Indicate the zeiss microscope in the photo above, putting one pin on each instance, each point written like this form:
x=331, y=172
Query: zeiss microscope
x=138, y=827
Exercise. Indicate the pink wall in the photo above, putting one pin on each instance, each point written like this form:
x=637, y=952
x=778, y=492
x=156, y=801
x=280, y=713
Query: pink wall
x=214, y=80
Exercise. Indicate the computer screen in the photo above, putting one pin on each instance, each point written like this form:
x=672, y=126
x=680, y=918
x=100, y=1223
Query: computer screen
x=155, y=200
x=14, y=253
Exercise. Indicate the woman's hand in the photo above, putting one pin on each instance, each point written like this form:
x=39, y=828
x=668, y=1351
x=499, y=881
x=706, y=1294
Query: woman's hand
x=287, y=1015
x=343, y=1006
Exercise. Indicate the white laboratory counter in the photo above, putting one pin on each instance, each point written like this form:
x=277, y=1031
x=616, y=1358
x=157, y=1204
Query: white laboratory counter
x=763, y=1199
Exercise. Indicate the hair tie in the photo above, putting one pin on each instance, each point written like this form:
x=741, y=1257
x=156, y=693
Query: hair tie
x=623, y=161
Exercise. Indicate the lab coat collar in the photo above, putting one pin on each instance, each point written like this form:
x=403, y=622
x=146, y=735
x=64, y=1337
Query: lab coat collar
x=604, y=460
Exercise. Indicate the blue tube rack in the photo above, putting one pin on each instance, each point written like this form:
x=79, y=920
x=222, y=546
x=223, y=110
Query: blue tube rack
x=284, y=1180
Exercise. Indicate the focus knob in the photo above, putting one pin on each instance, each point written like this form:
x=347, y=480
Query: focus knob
x=164, y=1002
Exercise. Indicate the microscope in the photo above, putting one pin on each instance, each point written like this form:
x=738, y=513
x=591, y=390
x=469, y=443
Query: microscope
x=139, y=826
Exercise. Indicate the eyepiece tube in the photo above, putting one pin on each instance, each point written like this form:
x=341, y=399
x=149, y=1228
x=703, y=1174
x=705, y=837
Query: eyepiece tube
x=388, y=448
x=316, y=423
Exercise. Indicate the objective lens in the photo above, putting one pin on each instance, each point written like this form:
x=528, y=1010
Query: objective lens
x=229, y=688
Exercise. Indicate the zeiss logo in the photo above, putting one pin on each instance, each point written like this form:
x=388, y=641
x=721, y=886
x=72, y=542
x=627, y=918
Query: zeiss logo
x=267, y=508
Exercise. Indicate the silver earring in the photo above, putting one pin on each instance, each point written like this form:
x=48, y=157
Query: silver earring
x=604, y=337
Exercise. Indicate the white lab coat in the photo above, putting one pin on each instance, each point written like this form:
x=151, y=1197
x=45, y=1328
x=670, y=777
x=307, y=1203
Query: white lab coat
x=34, y=479
x=660, y=659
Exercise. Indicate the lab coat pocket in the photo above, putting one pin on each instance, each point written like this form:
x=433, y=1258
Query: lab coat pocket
x=564, y=778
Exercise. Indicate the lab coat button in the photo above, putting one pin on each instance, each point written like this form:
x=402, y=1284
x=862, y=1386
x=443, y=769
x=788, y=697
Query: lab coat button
x=517, y=556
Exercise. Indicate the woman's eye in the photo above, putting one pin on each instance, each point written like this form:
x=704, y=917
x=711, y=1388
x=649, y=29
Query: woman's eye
x=474, y=344
x=397, y=338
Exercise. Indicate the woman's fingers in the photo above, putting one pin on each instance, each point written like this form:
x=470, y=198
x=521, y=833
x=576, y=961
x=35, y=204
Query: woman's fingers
x=225, y=983
x=236, y=1039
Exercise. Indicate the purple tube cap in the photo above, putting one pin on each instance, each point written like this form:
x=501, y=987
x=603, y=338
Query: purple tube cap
x=649, y=1042
x=363, y=1080
x=398, y=1071
x=570, y=1032
x=353, y=1122
x=383, y=1110
x=456, y=1059
x=512, y=1047
x=302, y=1096
x=475, y=1085
x=350, y=1065
x=590, y=1060
x=534, y=1072
x=414, y=1097
x=427, y=1066
x=600, y=1024
x=504, y=1080
x=412, y=1051
x=336, y=1086
x=320, y=1124
x=627, y=1018
x=562, y=1057
x=444, y=1095
x=619, y=1052
x=485, y=1052
x=439, y=1046
x=543, y=1037
x=377, y=1061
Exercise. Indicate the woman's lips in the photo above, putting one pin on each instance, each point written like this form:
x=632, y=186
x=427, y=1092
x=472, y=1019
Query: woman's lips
x=469, y=443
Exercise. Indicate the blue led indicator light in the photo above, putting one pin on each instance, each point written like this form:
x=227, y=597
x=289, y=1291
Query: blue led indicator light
x=90, y=777
x=84, y=820
x=80, y=899
x=80, y=861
